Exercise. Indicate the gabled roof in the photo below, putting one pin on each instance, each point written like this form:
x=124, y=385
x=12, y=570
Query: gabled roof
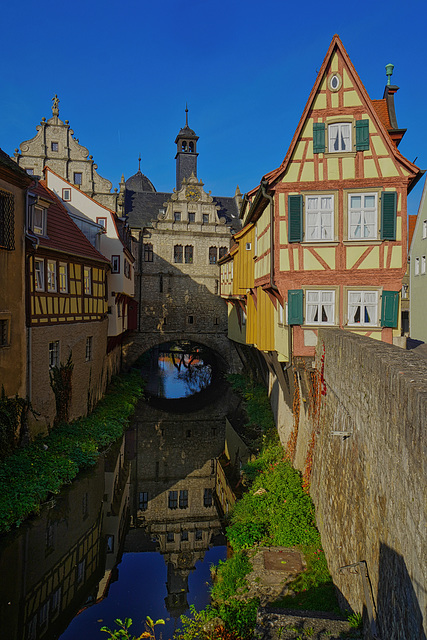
x=336, y=43
x=62, y=233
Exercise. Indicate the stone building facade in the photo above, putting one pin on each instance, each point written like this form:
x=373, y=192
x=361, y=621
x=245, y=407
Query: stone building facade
x=55, y=146
x=182, y=236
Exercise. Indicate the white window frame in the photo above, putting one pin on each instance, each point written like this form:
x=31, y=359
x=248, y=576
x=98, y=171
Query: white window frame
x=322, y=232
x=423, y=265
x=363, y=212
x=51, y=276
x=87, y=281
x=66, y=195
x=63, y=277
x=39, y=274
x=317, y=298
x=365, y=305
x=424, y=229
x=39, y=227
x=417, y=267
x=53, y=354
x=333, y=138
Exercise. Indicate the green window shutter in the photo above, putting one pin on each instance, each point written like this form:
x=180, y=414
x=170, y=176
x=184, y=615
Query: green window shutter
x=388, y=215
x=295, y=218
x=362, y=135
x=389, y=308
x=295, y=306
x=318, y=137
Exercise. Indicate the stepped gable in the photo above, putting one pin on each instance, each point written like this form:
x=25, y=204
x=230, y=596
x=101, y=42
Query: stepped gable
x=62, y=234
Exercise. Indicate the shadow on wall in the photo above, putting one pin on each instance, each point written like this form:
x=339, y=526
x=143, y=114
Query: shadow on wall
x=399, y=613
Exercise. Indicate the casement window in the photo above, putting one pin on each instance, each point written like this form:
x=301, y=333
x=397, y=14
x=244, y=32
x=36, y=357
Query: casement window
x=320, y=307
x=7, y=220
x=188, y=254
x=66, y=195
x=39, y=274
x=177, y=254
x=319, y=218
x=78, y=178
x=54, y=146
x=51, y=275
x=63, y=277
x=362, y=216
x=143, y=501
x=207, y=498
x=183, y=499
x=205, y=218
x=148, y=253
x=363, y=308
x=417, y=267
x=389, y=308
x=115, y=264
x=177, y=216
x=89, y=348
x=213, y=253
x=38, y=221
x=81, y=569
x=423, y=265
x=191, y=217
x=102, y=222
x=87, y=280
x=405, y=291
x=54, y=354
x=4, y=332
x=339, y=136
x=173, y=500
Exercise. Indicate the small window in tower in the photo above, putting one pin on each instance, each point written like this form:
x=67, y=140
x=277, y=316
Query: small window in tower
x=222, y=251
x=189, y=254
x=148, y=253
x=184, y=146
x=191, y=147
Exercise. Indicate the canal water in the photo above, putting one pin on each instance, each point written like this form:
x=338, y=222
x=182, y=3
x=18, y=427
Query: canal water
x=135, y=536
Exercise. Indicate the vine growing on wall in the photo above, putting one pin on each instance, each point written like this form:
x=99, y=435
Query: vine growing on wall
x=60, y=381
x=316, y=391
x=13, y=421
x=296, y=409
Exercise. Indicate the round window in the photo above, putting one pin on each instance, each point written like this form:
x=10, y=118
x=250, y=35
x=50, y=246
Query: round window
x=335, y=82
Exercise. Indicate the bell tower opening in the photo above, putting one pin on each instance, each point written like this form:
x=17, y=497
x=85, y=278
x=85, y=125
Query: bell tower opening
x=186, y=153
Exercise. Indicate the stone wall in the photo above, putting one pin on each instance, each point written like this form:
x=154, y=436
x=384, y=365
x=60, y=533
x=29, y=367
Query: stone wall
x=370, y=488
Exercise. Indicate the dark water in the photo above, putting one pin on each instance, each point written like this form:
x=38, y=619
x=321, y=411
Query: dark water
x=135, y=536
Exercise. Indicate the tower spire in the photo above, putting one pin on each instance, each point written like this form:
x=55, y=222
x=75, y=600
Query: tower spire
x=139, y=163
x=186, y=115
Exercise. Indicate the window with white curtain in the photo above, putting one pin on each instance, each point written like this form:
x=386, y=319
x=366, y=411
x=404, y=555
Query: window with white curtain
x=319, y=218
x=363, y=308
x=362, y=216
x=320, y=307
x=339, y=135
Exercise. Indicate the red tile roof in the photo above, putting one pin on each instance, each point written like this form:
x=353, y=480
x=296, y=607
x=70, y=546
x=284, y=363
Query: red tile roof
x=62, y=233
x=380, y=107
x=412, y=220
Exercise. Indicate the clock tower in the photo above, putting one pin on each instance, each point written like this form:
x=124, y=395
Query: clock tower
x=186, y=153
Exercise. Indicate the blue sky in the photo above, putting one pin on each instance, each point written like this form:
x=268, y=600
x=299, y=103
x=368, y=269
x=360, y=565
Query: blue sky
x=124, y=71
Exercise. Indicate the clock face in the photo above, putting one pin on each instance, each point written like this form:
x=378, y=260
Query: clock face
x=192, y=194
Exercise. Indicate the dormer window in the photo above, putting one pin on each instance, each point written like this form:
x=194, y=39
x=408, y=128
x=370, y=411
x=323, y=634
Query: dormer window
x=339, y=135
x=38, y=221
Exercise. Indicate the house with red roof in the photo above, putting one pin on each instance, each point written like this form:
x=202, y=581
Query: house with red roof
x=66, y=308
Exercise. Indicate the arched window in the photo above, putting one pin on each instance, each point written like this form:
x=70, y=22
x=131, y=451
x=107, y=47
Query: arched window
x=191, y=147
x=222, y=251
x=188, y=254
x=184, y=146
x=177, y=253
x=148, y=253
x=213, y=255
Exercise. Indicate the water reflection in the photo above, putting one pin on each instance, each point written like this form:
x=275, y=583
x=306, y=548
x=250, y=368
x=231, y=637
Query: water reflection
x=133, y=537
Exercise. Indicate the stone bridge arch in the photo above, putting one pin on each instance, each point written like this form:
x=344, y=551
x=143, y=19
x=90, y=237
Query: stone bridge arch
x=138, y=343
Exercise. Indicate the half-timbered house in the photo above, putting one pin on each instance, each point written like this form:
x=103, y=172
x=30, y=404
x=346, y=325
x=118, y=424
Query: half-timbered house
x=66, y=307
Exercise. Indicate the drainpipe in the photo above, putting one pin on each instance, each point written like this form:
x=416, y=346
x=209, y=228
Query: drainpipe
x=269, y=197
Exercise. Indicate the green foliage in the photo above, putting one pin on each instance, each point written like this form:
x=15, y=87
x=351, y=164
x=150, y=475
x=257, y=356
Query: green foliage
x=257, y=403
x=60, y=381
x=195, y=625
x=44, y=466
x=239, y=616
x=123, y=631
x=230, y=576
x=12, y=411
x=281, y=513
x=355, y=620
